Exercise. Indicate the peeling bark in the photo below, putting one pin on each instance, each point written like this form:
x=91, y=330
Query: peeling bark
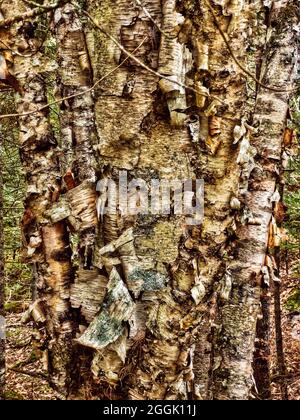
x=233, y=378
x=88, y=292
x=45, y=243
x=166, y=310
x=78, y=131
x=161, y=130
x=144, y=125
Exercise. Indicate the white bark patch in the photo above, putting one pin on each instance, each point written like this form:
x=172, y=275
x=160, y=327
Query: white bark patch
x=107, y=327
x=88, y=292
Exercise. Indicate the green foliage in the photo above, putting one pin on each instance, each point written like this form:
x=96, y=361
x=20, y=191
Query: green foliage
x=12, y=395
x=293, y=302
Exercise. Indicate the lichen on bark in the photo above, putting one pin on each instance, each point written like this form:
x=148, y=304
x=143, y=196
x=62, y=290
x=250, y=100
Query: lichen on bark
x=165, y=310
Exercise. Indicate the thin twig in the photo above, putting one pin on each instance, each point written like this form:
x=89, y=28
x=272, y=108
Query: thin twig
x=35, y=4
x=75, y=95
x=140, y=63
x=147, y=13
x=236, y=60
x=32, y=374
x=32, y=13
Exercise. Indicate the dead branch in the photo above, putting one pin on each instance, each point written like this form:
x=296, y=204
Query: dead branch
x=236, y=60
x=140, y=63
x=58, y=101
x=147, y=13
x=41, y=376
x=4, y=23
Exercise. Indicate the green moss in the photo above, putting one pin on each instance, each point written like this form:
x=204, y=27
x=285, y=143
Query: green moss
x=13, y=395
x=293, y=302
x=13, y=307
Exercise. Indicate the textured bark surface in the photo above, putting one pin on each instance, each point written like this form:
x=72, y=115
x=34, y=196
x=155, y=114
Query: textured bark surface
x=75, y=75
x=271, y=116
x=78, y=131
x=160, y=130
x=209, y=301
x=262, y=355
x=163, y=309
x=45, y=243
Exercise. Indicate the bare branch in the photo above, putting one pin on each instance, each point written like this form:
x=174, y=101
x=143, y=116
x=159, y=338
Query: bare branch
x=140, y=63
x=32, y=13
x=58, y=101
x=28, y=373
x=35, y=4
x=147, y=13
x=236, y=60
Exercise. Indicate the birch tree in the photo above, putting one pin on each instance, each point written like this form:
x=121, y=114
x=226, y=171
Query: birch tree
x=153, y=307
x=46, y=243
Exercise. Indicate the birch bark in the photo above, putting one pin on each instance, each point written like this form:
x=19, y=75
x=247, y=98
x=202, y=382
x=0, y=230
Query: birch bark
x=46, y=243
x=169, y=310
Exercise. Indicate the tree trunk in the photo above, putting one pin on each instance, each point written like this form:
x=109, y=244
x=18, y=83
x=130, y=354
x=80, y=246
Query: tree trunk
x=271, y=115
x=145, y=124
x=78, y=131
x=168, y=307
x=262, y=355
x=46, y=241
x=147, y=132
